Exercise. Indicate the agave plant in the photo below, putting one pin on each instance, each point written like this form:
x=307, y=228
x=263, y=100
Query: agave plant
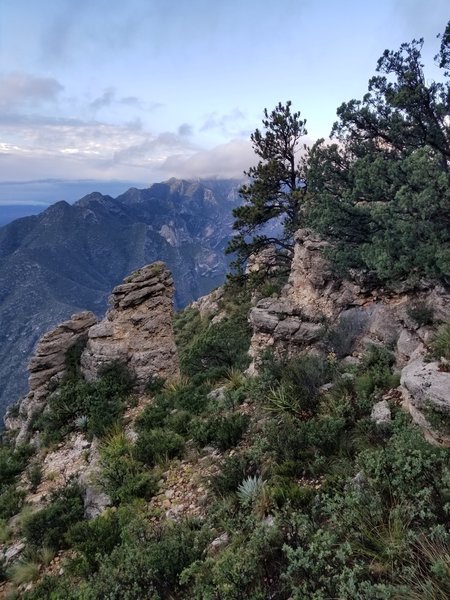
x=249, y=490
x=81, y=422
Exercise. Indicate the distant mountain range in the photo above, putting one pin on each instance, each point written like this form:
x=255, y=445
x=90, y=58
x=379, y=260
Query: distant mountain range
x=69, y=257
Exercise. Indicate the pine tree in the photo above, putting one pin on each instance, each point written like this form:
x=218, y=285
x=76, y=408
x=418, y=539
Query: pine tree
x=273, y=196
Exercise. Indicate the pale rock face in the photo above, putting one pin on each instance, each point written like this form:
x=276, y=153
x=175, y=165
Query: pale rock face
x=314, y=300
x=427, y=385
x=210, y=305
x=381, y=414
x=137, y=329
x=47, y=367
x=312, y=284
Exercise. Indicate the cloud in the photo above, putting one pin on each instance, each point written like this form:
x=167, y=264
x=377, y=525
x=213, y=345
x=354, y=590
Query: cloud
x=185, y=130
x=228, y=124
x=226, y=160
x=104, y=100
x=18, y=90
x=109, y=98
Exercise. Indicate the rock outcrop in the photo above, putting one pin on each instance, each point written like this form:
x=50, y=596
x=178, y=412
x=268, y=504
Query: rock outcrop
x=344, y=315
x=46, y=368
x=138, y=332
x=320, y=312
x=137, y=329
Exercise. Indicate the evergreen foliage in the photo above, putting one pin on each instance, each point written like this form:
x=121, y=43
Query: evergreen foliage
x=276, y=188
x=381, y=191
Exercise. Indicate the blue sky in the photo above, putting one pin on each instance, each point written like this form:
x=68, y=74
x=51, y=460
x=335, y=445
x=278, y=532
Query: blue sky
x=105, y=94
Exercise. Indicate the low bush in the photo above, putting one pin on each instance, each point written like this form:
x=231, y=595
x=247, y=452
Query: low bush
x=48, y=526
x=122, y=476
x=293, y=386
x=158, y=445
x=11, y=501
x=224, y=432
x=100, y=403
x=440, y=346
x=12, y=462
x=149, y=568
x=421, y=312
x=217, y=348
x=233, y=471
x=95, y=539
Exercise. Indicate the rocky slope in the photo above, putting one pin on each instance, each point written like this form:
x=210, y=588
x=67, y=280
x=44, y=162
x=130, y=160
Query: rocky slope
x=68, y=258
x=315, y=313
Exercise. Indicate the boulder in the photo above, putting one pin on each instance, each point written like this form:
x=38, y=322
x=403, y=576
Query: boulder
x=381, y=414
x=428, y=386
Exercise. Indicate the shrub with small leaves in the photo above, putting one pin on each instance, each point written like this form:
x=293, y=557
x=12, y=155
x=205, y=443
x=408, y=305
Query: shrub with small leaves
x=440, y=346
x=48, y=526
x=421, y=312
x=158, y=445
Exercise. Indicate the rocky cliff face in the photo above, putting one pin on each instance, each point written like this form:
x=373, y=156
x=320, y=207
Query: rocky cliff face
x=46, y=369
x=137, y=331
x=316, y=311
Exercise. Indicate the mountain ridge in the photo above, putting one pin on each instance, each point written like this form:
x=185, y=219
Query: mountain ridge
x=68, y=258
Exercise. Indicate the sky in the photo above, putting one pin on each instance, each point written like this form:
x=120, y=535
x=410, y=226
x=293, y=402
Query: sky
x=105, y=94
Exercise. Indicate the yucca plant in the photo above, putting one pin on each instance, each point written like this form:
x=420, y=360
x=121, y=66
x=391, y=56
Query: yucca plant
x=81, y=422
x=250, y=489
x=234, y=378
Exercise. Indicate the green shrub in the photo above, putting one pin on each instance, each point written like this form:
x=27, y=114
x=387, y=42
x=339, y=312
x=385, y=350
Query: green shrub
x=34, y=475
x=149, y=568
x=158, y=445
x=440, y=346
x=122, y=476
x=375, y=373
x=172, y=409
x=284, y=491
x=421, y=312
x=223, y=432
x=154, y=385
x=101, y=402
x=292, y=386
x=248, y=567
x=217, y=348
x=96, y=538
x=12, y=462
x=48, y=526
x=11, y=501
x=233, y=471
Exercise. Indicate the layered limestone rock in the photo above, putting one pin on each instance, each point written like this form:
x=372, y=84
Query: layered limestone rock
x=47, y=367
x=342, y=316
x=137, y=330
x=317, y=311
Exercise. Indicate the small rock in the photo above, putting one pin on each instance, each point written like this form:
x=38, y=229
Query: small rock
x=381, y=414
x=219, y=543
